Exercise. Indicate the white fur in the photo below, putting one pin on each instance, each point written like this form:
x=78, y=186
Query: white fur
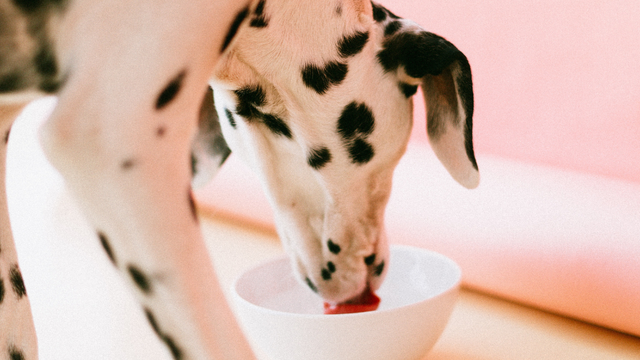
x=343, y=201
x=119, y=55
x=133, y=179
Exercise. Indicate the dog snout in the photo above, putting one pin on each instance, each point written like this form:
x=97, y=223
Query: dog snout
x=345, y=271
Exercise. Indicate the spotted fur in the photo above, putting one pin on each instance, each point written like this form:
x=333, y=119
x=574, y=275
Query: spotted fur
x=318, y=158
x=316, y=95
x=140, y=279
x=321, y=77
x=345, y=96
x=1, y=290
x=17, y=283
x=233, y=29
x=104, y=241
x=131, y=79
x=15, y=354
x=259, y=19
x=170, y=91
x=351, y=45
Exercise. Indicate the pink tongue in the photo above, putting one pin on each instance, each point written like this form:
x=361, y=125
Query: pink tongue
x=367, y=301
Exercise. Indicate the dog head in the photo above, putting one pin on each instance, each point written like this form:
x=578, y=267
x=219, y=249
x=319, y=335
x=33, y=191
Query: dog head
x=316, y=97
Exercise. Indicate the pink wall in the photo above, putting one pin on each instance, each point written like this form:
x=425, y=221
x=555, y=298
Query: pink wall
x=556, y=83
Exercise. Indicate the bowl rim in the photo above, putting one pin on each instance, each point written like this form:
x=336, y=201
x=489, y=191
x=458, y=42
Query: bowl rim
x=394, y=247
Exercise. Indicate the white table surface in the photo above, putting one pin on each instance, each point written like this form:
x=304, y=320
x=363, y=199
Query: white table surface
x=83, y=311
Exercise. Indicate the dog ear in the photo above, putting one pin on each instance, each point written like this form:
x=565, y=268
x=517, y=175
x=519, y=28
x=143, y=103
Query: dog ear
x=209, y=150
x=445, y=76
x=448, y=95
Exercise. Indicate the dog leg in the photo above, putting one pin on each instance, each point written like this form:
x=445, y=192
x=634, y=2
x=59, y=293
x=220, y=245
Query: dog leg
x=133, y=183
x=17, y=331
x=121, y=137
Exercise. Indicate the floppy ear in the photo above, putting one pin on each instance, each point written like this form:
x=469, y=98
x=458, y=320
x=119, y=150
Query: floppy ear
x=448, y=95
x=445, y=75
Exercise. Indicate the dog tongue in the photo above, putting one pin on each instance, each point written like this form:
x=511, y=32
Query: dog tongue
x=367, y=301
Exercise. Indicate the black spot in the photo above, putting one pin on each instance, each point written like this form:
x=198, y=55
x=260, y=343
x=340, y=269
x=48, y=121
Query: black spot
x=47, y=66
x=106, y=246
x=15, y=354
x=318, y=158
x=50, y=86
x=353, y=44
x=259, y=20
x=153, y=322
x=356, y=123
x=392, y=28
x=388, y=60
x=331, y=267
x=29, y=6
x=420, y=54
x=171, y=90
x=6, y=136
x=326, y=274
x=17, y=283
x=408, y=90
x=233, y=29
x=11, y=82
x=1, y=290
x=320, y=79
x=140, y=279
x=361, y=152
x=369, y=260
x=249, y=98
x=356, y=120
x=333, y=247
x=248, y=111
x=276, y=125
x=253, y=95
x=379, y=13
x=194, y=164
x=127, y=164
x=377, y=271
x=259, y=10
x=192, y=205
x=45, y=61
x=311, y=285
x=176, y=352
x=230, y=117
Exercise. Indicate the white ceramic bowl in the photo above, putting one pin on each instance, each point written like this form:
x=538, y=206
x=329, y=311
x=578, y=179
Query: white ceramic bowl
x=284, y=320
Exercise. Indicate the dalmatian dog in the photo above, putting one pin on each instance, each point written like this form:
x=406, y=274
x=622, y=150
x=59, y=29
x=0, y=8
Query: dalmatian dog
x=314, y=95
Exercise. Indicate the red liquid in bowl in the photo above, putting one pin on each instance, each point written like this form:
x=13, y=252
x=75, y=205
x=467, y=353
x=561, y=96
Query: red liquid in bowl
x=367, y=301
